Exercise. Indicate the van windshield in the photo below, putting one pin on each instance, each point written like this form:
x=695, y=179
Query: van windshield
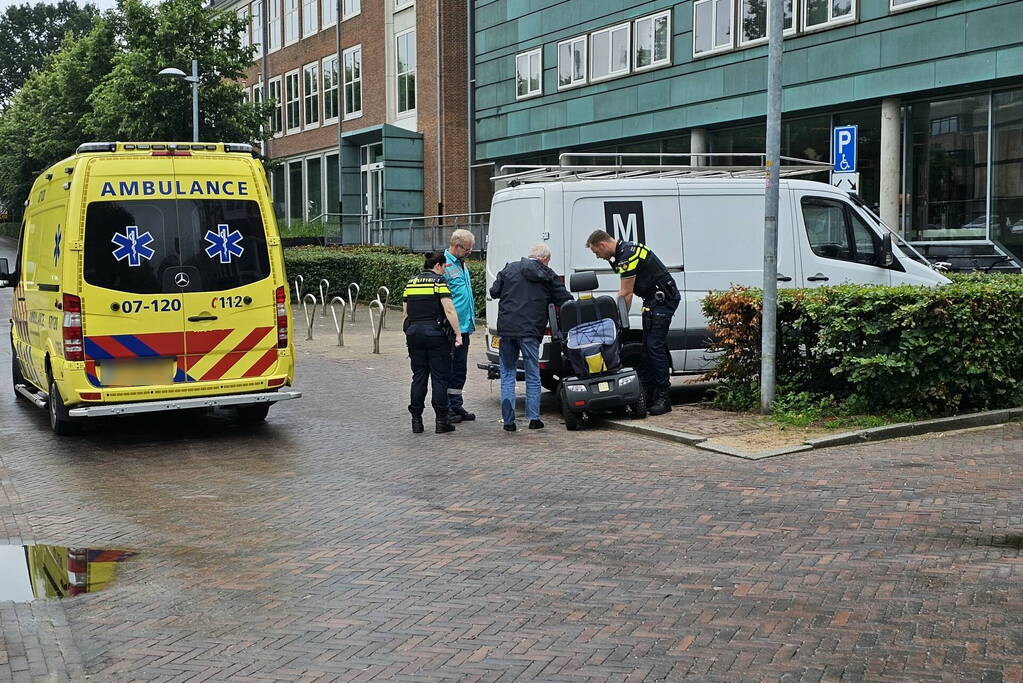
x=141, y=246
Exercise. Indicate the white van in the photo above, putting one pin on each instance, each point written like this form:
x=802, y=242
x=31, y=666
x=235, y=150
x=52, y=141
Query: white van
x=708, y=231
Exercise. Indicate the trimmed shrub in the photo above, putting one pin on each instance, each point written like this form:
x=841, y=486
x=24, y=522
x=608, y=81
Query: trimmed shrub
x=371, y=267
x=933, y=351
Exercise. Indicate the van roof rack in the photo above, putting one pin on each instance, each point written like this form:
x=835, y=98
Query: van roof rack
x=610, y=165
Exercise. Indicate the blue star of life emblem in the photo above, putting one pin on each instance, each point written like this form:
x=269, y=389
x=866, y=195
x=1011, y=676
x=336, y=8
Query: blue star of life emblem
x=224, y=243
x=56, y=246
x=133, y=246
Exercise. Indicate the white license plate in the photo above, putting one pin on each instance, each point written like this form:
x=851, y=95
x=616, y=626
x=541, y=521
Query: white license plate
x=604, y=386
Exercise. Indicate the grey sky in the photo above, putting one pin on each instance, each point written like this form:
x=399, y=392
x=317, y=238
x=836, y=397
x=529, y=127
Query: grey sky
x=102, y=4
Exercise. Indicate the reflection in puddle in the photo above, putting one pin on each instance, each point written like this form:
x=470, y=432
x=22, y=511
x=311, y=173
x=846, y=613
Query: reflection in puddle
x=31, y=572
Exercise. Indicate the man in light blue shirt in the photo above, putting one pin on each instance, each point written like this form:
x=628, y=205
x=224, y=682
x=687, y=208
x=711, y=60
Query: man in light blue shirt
x=456, y=272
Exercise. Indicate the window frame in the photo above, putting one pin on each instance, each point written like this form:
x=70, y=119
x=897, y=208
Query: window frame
x=609, y=30
x=306, y=30
x=654, y=64
x=528, y=56
x=256, y=27
x=912, y=4
x=786, y=32
x=294, y=14
x=400, y=5
x=325, y=91
x=306, y=124
x=297, y=73
x=343, y=90
x=830, y=23
x=399, y=112
x=279, y=104
x=274, y=21
x=585, y=40
x=357, y=12
x=243, y=13
x=713, y=22
x=326, y=23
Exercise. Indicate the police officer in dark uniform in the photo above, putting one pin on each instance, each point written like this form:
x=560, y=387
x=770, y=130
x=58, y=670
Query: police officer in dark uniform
x=644, y=274
x=430, y=323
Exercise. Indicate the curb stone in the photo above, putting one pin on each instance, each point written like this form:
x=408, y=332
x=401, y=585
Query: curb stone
x=892, y=431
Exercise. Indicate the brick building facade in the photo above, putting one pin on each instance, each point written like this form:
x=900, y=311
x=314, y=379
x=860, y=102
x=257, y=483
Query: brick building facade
x=371, y=106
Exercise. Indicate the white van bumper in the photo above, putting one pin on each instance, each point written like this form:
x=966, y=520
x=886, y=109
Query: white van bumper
x=112, y=409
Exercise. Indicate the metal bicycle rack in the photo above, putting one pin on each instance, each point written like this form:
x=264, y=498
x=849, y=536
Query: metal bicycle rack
x=324, y=291
x=383, y=296
x=299, y=281
x=376, y=322
x=353, y=299
x=310, y=314
x=339, y=323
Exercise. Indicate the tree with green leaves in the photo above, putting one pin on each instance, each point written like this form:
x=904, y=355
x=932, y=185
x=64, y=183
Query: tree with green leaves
x=28, y=33
x=106, y=86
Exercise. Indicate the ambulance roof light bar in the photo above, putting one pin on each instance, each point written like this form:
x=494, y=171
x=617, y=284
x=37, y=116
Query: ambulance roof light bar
x=176, y=147
x=611, y=165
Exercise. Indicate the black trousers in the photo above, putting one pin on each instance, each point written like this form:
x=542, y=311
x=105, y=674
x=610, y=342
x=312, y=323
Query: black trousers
x=429, y=350
x=655, y=370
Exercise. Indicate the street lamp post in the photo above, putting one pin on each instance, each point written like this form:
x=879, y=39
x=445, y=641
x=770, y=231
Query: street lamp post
x=194, y=80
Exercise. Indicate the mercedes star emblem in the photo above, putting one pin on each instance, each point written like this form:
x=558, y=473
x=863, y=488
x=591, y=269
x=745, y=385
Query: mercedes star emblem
x=181, y=280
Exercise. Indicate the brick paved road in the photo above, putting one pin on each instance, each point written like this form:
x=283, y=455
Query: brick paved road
x=334, y=544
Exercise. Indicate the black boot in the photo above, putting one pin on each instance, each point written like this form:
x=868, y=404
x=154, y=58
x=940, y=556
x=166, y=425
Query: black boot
x=417, y=424
x=443, y=425
x=662, y=402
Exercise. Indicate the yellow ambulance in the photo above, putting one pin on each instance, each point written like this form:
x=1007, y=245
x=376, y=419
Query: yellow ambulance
x=150, y=277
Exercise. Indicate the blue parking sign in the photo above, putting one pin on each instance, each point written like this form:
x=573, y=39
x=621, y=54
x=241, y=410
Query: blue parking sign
x=843, y=146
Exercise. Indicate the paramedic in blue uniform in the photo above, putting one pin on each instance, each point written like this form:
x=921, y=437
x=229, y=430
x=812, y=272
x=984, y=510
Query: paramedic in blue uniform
x=645, y=275
x=429, y=323
x=456, y=273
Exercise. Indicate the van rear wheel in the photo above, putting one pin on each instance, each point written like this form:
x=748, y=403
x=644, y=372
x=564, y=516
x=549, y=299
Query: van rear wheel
x=61, y=423
x=253, y=414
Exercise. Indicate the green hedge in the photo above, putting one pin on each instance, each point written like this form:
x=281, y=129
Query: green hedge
x=9, y=229
x=371, y=267
x=933, y=351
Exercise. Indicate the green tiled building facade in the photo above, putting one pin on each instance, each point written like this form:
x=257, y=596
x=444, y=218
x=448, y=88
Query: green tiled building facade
x=936, y=89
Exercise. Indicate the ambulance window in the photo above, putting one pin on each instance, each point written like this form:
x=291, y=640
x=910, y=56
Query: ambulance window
x=224, y=240
x=128, y=244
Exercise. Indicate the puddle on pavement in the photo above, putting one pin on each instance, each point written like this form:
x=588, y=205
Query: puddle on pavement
x=39, y=572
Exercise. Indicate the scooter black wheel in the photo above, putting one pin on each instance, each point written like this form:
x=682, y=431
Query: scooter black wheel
x=571, y=418
x=639, y=408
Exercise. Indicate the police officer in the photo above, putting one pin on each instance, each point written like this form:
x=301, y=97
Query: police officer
x=430, y=323
x=644, y=274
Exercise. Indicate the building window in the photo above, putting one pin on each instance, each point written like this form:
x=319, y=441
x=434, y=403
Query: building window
x=406, y=70
x=330, y=102
x=257, y=94
x=256, y=21
x=353, y=82
x=402, y=4
x=277, y=116
x=329, y=16
x=310, y=17
x=529, y=74
x=311, y=88
x=712, y=26
x=314, y=188
x=296, y=207
x=823, y=13
x=290, y=21
x=653, y=41
x=243, y=14
x=609, y=52
x=903, y=4
x=291, y=102
x=753, y=20
x=273, y=16
x=350, y=8
x=572, y=62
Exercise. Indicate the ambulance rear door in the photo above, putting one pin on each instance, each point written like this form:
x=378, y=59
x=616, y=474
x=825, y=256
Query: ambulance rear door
x=228, y=288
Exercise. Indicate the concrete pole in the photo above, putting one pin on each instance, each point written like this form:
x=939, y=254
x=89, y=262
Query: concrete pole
x=891, y=154
x=697, y=145
x=769, y=313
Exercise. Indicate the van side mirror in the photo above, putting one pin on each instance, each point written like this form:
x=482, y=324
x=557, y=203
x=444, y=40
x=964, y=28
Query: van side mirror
x=887, y=258
x=6, y=277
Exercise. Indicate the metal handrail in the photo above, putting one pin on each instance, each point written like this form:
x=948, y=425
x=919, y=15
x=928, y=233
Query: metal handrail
x=426, y=218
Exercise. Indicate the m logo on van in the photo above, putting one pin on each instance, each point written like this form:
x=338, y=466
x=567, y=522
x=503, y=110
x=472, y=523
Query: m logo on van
x=624, y=221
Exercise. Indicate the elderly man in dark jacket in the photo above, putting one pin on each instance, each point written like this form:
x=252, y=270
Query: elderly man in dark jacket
x=524, y=289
